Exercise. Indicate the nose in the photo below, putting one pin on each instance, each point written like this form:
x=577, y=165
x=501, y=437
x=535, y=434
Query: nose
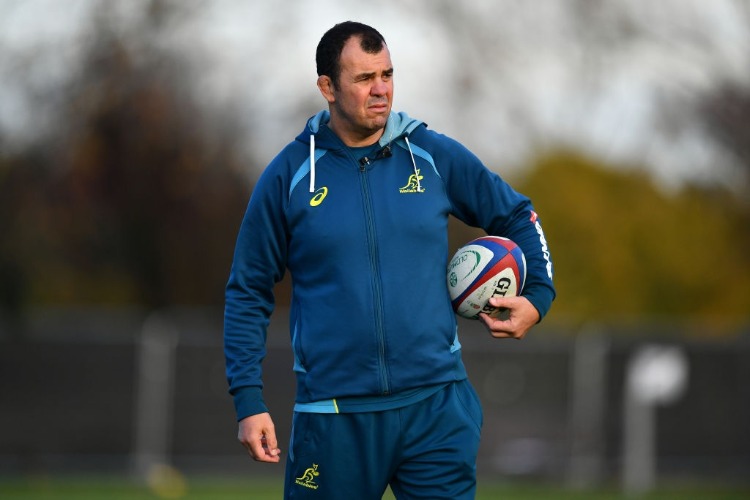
x=379, y=87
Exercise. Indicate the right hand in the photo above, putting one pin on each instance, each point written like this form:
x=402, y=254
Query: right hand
x=258, y=435
x=522, y=315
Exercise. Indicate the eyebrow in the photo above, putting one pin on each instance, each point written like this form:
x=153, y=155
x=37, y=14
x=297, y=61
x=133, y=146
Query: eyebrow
x=367, y=76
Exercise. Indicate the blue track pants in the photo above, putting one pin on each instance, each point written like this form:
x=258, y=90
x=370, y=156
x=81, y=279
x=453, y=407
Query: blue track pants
x=424, y=451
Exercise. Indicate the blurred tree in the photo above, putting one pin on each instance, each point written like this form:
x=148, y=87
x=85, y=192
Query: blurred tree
x=138, y=196
x=726, y=114
x=623, y=249
x=12, y=283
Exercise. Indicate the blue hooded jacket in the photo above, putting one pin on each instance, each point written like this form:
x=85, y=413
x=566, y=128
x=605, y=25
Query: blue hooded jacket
x=366, y=243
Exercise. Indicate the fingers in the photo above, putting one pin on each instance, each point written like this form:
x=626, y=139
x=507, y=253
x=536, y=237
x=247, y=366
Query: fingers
x=500, y=329
x=270, y=447
x=258, y=435
x=514, y=322
x=264, y=449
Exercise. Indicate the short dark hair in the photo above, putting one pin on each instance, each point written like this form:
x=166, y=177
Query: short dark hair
x=328, y=53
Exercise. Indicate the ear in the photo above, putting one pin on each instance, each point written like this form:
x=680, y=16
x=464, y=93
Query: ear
x=325, y=85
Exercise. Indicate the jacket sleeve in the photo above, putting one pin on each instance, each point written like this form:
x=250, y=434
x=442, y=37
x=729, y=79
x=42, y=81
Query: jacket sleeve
x=481, y=198
x=258, y=264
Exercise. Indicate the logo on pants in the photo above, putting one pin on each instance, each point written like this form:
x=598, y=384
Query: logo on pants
x=308, y=478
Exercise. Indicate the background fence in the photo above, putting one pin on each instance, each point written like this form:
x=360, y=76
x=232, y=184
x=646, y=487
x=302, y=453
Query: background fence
x=77, y=396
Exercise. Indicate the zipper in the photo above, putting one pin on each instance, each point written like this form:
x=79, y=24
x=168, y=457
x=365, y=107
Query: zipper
x=376, y=282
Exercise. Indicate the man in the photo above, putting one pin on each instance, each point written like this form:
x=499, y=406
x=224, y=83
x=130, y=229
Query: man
x=357, y=209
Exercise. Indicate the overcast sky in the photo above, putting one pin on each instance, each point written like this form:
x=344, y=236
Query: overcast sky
x=617, y=78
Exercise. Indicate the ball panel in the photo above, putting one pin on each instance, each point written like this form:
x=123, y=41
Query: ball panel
x=485, y=267
x=491, y=276
x=498, y=284
x=466, y=266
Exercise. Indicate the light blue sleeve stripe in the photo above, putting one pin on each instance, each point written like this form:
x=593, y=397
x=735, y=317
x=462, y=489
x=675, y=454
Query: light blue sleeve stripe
x=326, y=406
x=304, y=169
x=456, y=345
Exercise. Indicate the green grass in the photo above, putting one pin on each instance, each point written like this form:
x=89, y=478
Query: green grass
x=43, y=488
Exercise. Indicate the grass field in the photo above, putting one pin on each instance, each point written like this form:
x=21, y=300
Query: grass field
x=40, y=488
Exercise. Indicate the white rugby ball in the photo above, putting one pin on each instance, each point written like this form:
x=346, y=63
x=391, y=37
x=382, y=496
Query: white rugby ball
x=486, y=267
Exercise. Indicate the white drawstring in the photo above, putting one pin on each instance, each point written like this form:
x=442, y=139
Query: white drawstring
x=414, y=163
x=312, y=163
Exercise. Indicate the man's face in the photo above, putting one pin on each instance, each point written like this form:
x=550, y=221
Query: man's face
x=362, y=102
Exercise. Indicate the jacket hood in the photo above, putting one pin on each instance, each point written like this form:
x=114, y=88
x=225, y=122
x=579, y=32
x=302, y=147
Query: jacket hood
x=322, y=139
x=398, y=125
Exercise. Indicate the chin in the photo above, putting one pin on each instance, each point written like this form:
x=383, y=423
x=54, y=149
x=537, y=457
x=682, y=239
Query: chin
x=380, y=120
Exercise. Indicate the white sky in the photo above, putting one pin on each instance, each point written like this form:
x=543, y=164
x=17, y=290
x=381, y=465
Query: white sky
x=616, y=78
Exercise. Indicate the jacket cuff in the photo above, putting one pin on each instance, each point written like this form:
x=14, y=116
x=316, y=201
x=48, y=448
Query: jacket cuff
x=541, y=298
x=249, y=401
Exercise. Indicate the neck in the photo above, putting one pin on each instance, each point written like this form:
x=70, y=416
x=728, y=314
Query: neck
x=354, y=138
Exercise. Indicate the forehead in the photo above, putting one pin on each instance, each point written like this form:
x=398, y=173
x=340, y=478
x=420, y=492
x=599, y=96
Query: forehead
x=355, y=60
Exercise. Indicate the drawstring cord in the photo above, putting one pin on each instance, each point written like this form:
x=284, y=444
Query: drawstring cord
x=312, y=163
x=414, y=163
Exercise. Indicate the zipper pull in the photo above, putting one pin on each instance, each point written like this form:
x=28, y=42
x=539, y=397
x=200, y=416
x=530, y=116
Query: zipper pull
x=363, y=162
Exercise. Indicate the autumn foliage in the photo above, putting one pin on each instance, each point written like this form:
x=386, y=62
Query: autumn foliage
x=135, y=195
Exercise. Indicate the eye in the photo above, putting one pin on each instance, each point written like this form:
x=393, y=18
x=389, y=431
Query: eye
x=364, y=78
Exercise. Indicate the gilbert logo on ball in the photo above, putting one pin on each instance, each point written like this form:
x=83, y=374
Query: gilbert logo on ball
x=490, y=266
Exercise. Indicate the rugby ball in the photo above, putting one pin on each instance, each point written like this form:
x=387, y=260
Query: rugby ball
x=486, y=267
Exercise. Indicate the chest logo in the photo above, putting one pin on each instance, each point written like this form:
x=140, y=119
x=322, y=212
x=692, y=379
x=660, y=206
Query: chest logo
x=320, y=195
x=413, y=185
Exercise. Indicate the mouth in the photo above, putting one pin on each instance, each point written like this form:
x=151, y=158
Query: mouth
x=379, y=107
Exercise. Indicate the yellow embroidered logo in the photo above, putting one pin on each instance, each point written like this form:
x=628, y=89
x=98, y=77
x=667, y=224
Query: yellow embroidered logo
x=320, y=195
x=308, y=478
x=413, y=185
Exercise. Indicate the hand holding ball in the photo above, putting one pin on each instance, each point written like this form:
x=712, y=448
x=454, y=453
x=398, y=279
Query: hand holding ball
x=490, y=266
